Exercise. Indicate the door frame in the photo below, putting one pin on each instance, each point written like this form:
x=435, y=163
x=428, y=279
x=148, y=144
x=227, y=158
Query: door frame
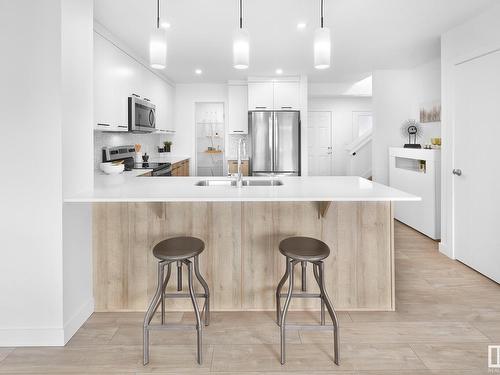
x=332, y=164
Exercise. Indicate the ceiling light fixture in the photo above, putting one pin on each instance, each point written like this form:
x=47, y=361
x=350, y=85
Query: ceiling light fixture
x=322, y=44
x=279, y=71
x=198, y=71
x=165, y=24
x=158, y=44
x=301, y=25
x=241, y=45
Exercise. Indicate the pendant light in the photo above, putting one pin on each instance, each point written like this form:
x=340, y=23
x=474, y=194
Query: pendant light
x=322, y=44
x=158, y=44
x=241, y=45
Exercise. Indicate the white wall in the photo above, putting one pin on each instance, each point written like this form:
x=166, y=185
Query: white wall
x=77, y=166
x=397, y=96
x=354, y=89
x=186, y=95
x=38, y=73
x=342, y=109
x=476, y=36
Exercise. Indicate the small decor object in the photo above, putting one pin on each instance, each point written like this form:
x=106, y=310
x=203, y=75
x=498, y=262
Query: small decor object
x=411, y=129
x=138, y=156
x=168, y=145
x=436, y=142
x=145, y=157
x=430, y=112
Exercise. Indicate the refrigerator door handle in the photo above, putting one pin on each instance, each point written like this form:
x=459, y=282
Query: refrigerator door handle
x=276, y=166
x=271, y=140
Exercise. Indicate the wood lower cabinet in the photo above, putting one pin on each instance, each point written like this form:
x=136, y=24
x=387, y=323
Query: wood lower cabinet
x=233, y=167
x=241, y=261
x=181, y=168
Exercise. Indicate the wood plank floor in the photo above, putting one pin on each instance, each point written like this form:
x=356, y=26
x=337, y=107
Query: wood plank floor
x=446, y=316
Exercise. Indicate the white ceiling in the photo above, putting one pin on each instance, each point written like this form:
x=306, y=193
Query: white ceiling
x=367, y=34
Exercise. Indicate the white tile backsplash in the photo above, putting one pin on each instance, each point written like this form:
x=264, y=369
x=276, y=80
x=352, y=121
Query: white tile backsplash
x=149, y=142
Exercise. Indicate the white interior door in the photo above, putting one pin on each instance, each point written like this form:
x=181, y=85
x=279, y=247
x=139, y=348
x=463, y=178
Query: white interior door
x=320, y=143
x=477, y=189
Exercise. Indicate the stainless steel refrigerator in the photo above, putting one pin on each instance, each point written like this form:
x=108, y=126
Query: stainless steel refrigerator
x=275, y=140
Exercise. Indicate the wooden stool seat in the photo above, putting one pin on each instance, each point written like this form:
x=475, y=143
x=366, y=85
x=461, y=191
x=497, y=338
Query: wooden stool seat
x=178, y=248
x=304, y=249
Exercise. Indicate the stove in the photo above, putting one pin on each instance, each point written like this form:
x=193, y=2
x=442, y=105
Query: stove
x=127, y=153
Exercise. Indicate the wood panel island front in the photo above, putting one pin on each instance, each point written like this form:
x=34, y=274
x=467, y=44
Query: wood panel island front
x=241, y=228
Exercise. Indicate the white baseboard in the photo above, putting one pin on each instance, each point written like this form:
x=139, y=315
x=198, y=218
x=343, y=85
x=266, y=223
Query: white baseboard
x=77, y=320
x=46, y=336
x=443, y=249
x=13, y=337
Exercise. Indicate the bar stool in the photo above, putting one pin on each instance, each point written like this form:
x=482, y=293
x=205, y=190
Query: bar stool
x=303, y=250
x=177, y=250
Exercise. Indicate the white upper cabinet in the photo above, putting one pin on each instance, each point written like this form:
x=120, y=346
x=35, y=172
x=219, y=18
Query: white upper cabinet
x=286, y=95
x=109, y=82
x=237, y=109
x=274, y=95
x=260, y=96
x=116, y=77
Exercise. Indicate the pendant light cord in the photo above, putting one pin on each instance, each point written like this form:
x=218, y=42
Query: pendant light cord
x=157, y=14
x=322, y=6
x=241, y=14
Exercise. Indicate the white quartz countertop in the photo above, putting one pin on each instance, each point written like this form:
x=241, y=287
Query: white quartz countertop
x=166, y=157
x=128, y=187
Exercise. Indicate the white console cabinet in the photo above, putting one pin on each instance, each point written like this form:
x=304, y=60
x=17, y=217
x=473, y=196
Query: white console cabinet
x=418, y=171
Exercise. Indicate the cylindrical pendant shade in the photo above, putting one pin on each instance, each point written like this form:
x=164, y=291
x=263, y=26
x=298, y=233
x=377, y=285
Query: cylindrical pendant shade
x=241, y=49
x=322, y=48
x=158, y=49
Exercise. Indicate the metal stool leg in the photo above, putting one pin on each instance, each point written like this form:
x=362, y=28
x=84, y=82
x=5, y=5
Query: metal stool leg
x=322, y=311
x=278, y=292
x=290, y=266
x=153, y=305
x=179, y=276
x=304, y=276
x=164, y=287
x=199, y=326
x=205, y=287
x=331, y=311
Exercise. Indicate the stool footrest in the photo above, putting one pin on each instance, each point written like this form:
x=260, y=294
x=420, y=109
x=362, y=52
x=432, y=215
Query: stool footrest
x=171, y=327
x=184, y=295
x=302, y=295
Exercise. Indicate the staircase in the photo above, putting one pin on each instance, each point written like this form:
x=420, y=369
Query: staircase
x=360, y=156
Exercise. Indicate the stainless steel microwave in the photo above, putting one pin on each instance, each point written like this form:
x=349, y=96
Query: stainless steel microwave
x=141, y=115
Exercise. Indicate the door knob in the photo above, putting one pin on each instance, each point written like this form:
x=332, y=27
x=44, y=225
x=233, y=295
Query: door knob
x=457, y=172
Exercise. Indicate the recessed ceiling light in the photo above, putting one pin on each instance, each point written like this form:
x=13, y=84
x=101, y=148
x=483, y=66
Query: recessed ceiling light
x=279, y=71
x=198, y=71
x=301, y=25
x=165, y=24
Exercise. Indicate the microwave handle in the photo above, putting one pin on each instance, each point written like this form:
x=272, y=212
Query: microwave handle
x=151, y=118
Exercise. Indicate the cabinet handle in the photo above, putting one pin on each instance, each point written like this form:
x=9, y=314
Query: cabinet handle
x=260, y=107
x=237, y=131
x=146, y=99
x=101, y=124
x=137, y=96
x=286, y=107
x=123, y=126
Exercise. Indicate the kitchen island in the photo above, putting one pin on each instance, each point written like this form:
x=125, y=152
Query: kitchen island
x=241, y=228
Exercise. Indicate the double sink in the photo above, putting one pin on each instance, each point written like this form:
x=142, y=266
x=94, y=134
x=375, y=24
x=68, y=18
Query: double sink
x=244, y=183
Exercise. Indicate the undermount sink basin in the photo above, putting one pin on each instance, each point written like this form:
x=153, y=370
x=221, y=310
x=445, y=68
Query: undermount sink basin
x=245, y=183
